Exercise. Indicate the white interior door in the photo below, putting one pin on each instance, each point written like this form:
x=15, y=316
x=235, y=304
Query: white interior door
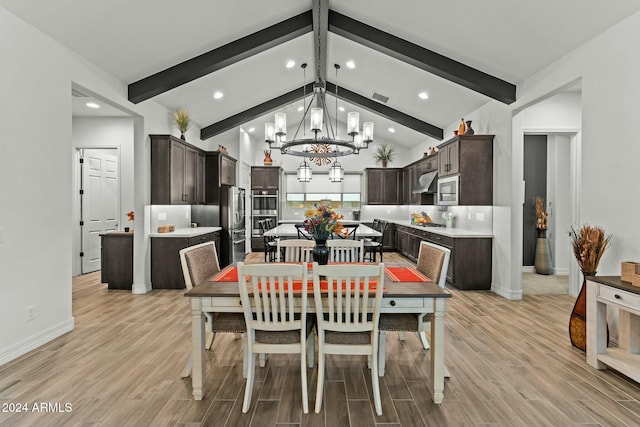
x=100, y=203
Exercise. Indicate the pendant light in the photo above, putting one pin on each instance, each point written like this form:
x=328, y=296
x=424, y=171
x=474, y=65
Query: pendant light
x=336, y=173
x=304, y=172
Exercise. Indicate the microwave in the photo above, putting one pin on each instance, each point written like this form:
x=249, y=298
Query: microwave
x=448, y=190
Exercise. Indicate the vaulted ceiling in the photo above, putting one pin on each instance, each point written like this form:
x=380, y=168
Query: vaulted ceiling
x=463, y=53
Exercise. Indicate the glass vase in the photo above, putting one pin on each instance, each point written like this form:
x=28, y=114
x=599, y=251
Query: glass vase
x=320, y=252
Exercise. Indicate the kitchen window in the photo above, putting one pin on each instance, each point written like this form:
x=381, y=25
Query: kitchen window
x=336, y=200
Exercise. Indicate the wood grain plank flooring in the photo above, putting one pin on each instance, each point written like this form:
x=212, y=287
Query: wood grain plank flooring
x=511, y=364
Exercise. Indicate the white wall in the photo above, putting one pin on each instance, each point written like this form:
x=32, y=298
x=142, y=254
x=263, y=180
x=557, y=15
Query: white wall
x=36, y=180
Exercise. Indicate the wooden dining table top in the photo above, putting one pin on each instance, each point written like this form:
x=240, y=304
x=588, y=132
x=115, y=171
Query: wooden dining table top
x=392, y=289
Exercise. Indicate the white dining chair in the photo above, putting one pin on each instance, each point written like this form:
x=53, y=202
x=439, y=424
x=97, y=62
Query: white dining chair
x=275, y=322
x=345, y=250
x=199, y=263
x=347, y=316
x=294, y=250
x=433, y=262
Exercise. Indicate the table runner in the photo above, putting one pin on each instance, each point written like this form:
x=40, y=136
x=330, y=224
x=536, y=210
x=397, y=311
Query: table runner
x=230, y=274
x=405, y=274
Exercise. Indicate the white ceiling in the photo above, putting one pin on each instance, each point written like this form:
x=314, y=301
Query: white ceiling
x=510, y=39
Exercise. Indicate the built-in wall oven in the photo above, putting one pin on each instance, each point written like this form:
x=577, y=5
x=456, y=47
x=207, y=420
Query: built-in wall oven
x=264, y=205
x=448, y=190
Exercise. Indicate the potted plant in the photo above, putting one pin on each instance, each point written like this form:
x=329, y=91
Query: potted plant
x=543, y=262
x=182, y=120
x=384, y=154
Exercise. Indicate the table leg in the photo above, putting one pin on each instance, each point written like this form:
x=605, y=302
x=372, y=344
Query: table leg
x=197, y=348
x=437, y=350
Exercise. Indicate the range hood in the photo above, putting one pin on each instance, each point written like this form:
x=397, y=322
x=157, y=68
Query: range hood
x=427, y=183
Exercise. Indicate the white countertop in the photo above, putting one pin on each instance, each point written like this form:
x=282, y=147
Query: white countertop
x=449, y=232
x=187, y=232
x=301, y=220
x=289, y=230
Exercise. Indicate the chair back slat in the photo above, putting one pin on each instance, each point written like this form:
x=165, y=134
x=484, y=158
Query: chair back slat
x=269, y=297
x=294, y=250
x=347, y=303
x=342, y=250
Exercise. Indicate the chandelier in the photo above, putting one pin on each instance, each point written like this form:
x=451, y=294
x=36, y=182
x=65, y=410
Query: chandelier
x=324, y=145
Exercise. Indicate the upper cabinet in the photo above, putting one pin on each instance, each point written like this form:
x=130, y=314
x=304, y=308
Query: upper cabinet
x=448, y=157
x=265, y=178
x=471, y=158
x=384, y=186
x=220, y=169
x=411, y=173
x=176, y=171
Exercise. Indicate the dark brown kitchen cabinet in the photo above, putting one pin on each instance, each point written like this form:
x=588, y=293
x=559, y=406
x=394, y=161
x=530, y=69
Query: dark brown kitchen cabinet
x=384, y=186
x=265, y=178
x=448, y=157
x=175, y=172
x=470, y=157
x=470, y=261
x=220, y=169
x=411, y=173
x=166, y=271
x=117, y=260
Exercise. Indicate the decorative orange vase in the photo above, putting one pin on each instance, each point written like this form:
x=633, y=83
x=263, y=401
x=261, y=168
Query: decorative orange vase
x=267, y=158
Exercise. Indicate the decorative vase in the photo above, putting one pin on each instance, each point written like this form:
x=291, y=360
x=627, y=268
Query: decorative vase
x=469, y=130
x=462, y=128
x=320, y=252
x=384, y=163
x=267, y=158
x=182, y=137
x=578, y=319
x=543, y=262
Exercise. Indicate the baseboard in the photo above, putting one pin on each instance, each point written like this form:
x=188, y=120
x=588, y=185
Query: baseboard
x=507, y=293
x=140, y=288
x=31, y=343
x=528, y=269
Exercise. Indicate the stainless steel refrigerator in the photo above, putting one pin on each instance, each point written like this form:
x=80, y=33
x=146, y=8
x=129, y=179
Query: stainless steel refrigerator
x=230, y=215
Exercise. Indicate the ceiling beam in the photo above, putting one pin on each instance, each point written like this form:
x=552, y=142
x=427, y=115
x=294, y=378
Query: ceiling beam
x=422, y=58
x=387, y=112
x=297, y=94
x=320, y=11
x=219, y=58
x=255, y=112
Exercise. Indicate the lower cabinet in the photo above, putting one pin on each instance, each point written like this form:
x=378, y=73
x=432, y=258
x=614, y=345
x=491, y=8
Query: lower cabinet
x=470, y=262
x=166, y=271
x=117, y=260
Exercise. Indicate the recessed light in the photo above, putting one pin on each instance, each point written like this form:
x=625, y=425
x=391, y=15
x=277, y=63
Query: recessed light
x=392, y=130
x=92, y=105
x=252, y=129
x=217, y=94
x=300, y=108
x=351, y=64
x=341, y=108
x=423, y=95
x=291, y=64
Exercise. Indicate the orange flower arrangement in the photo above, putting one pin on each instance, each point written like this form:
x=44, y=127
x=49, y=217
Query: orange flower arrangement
x=130, y=215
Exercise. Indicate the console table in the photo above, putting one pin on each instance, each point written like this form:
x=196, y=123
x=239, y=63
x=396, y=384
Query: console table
x=604, y=293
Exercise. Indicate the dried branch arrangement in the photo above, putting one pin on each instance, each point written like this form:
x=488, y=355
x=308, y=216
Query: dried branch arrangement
x=588, y=246
x=541, y=214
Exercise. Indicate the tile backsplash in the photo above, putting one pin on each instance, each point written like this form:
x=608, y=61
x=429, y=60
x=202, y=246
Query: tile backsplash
x=177, y=215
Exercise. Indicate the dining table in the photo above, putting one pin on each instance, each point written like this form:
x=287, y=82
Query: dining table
x=405, y=291
x=290, y=231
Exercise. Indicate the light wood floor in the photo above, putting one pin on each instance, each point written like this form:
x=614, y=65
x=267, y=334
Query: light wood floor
x=511, y=364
